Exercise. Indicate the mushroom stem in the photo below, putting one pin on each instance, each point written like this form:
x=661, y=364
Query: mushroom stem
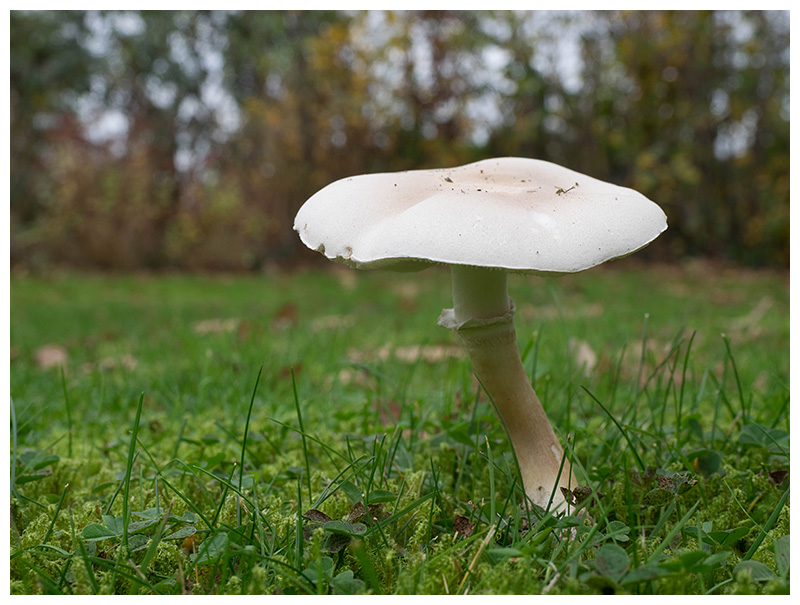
x=490, y=340
x=478, y=293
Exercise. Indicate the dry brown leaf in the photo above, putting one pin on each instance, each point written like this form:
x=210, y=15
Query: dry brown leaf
x=406, y=289
x=357, y=377
x=51, y=356
x=462, y=526
x=408, y=354
x=358, y=511
x=332, y=322
x=125, y=362
x=215, y=326
x=295, y=369
x=583, y=354
x=285, y=317
x=750, y=324
x=388, y=411
x=347, y=278
x=429, y=353
x=529, y=312
x=778, y=476
x=380, y=354
x=407, y=293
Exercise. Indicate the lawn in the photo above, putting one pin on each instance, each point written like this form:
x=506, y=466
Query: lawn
x=317, y=432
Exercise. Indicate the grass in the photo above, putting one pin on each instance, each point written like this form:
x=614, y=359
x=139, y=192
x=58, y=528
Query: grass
x=317, y=433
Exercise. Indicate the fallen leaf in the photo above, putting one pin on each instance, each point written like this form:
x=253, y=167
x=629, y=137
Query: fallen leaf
x=316, y=516
x=347, y=278
x=51, y=356
x=358, y=511
x=779, y=476
x=408, y=293
x=428, y=353
x=287, y=371
x=529, y=312
x=368, y=514
x=332, y=322
x=215, y=326
x=316, y=519
x=126, y=362
x=583, y=354
x=358, y=377
x=750, y=323
x=285, y=317
x=408, y=354
x=389, y=411
x=463, y=526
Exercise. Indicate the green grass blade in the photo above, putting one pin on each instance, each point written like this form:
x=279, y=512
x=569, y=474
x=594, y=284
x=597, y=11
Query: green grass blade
x=492, y=487
x=773, y=519
x=126, y=492
x=55, y=516
x=367, y=567
x=639, y=386
x=244, y=438
x=742, y=401
x=155, y=540
x=81, y=548
x=14, y=449
x=679, y=411
x=619, y=427
x=298, y=528
x=192, y=506
x=672, y=533
x=69, y=412
x=302, y=435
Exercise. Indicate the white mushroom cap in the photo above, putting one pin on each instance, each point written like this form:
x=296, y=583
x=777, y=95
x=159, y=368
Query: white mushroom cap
x=522, y=215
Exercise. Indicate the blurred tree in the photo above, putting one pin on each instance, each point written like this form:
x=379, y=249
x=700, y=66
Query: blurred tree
x=534, y=119
x=49, y=71
x=753, y=140
x=328, y=94
x=292, y=75
x=432, y=62
x=154, y=72
x=227, y=121
x=688, y=107
x=680, y=105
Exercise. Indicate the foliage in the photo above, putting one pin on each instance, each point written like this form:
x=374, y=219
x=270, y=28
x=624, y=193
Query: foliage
x=316, y=433
x=50, y=69
x=227, y=121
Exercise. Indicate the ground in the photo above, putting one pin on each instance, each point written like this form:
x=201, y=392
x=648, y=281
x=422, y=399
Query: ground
x=371, y=460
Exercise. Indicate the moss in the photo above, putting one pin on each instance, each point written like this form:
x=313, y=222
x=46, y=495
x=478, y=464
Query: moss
x=776, y=587
x=257, y=581
x=568, y=586
x=233, y=585
x=517, y=575
x=169, y=557
x=744, y=585
x=432, y=570
x=781, y=527
x=81, y=581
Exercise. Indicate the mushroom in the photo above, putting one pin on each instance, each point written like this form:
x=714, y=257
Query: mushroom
x=486, y=220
